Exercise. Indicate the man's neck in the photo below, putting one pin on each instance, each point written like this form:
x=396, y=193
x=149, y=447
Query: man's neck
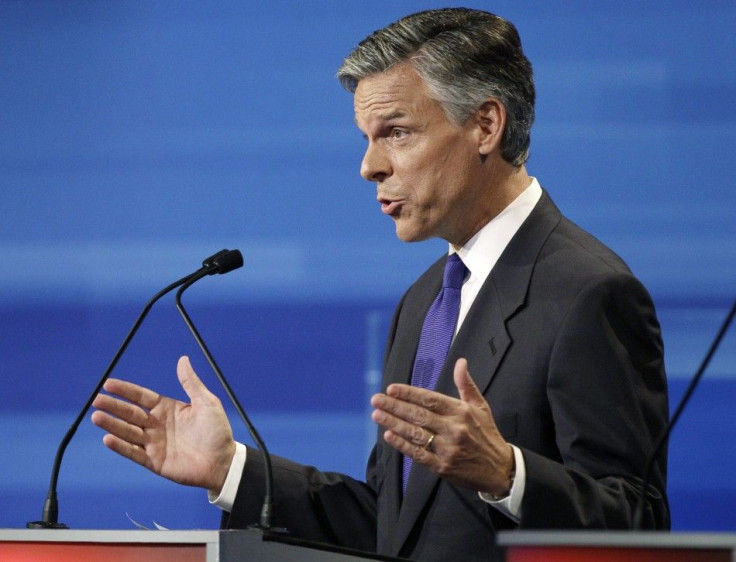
x=508, y=185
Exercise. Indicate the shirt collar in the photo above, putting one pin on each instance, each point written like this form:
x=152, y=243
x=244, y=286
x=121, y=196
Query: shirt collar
x=482, y=251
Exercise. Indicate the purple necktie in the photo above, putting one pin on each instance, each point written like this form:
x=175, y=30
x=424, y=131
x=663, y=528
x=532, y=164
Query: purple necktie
x=437, y=333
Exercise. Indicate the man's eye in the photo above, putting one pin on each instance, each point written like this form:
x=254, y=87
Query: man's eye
x=398, y=133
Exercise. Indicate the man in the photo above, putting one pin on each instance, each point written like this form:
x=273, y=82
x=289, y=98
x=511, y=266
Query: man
x=549, y=390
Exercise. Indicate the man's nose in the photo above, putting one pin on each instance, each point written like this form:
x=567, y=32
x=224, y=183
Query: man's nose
x=375, y=165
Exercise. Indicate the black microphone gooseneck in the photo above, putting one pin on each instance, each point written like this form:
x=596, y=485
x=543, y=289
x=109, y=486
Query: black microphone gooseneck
x=228, y=262
x=49, y=518
x=639, y=512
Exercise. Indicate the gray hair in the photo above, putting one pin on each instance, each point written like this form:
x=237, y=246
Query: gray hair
x=464, y=56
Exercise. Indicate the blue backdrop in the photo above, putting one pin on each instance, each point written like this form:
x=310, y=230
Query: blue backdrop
x=137, y=138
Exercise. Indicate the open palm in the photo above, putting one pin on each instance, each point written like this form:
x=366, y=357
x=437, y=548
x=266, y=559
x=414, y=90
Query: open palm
x=189, y=443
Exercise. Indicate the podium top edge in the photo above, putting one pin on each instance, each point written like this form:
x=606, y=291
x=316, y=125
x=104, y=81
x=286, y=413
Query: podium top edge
x=660, y=539
x=111, y=536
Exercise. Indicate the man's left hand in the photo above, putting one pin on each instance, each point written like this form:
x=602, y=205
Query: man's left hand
x=457, y=439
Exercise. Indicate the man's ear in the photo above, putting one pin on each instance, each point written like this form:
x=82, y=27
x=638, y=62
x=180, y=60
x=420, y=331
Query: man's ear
x=491, y=122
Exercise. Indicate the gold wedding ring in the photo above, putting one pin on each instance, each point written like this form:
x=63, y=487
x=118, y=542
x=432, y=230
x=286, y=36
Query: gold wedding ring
x=428, y=444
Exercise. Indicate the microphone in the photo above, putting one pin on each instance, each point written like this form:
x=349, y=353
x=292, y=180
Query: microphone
x=230, y=261
x=220, y=262
x=639, y=511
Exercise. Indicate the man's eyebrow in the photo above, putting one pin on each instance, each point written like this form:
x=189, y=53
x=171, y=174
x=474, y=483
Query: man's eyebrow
x=385, y=118
x=393, y=115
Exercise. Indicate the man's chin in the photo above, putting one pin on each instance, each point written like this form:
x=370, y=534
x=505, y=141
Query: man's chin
x=410, y=235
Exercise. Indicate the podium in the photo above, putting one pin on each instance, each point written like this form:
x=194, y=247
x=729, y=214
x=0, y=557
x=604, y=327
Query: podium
x=65, y=545
x=616, y=546
x=32, y=545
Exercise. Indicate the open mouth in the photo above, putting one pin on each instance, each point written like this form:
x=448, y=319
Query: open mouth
x=390, y=207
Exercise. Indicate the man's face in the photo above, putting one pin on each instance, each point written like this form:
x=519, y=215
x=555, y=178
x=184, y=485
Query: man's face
x=427, y=170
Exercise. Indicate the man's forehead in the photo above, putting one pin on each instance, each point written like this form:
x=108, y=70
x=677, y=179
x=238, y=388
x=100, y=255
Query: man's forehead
x=390, y=94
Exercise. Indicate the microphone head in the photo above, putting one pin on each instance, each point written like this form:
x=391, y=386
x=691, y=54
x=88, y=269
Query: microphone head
x=208, y=263
x=224, y=261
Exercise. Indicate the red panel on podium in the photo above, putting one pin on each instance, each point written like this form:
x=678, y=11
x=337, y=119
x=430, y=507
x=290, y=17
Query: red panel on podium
x=616, y=546
x=80, y=552
x=598, y=554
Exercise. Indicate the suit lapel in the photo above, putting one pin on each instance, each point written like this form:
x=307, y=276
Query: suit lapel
x=483, y=340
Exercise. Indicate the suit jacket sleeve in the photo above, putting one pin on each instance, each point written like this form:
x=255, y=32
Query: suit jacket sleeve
x=608, y=399
x=313, y=505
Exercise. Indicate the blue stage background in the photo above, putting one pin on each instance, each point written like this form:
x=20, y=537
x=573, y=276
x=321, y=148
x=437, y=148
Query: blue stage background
x=137, y=138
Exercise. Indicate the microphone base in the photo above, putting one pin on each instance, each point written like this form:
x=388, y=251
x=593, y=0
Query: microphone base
x=281, y=531
x=45, y=525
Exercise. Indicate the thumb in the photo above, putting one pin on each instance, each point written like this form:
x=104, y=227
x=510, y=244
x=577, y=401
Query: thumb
x=189, y=380
x=466, y=386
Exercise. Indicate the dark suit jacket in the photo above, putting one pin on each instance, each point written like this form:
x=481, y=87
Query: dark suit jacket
x=564, y=344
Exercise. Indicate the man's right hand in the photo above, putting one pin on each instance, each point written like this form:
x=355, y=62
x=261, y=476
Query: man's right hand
x=190, y=444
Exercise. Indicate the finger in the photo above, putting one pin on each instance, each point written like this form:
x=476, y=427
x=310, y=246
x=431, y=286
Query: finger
x=120, y=409
x=425, y=399
x=121, y=447
x=189, y=380
x=139, y=395
x=466, y=387
x=123, y=430
x=406, y=411
x=412, y=433
x=409, y=449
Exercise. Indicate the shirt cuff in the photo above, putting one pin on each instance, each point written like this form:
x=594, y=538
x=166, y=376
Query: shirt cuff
x=511, y=504
x=226, y=499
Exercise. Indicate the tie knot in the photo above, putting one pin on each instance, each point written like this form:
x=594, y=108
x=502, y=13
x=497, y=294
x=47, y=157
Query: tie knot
x=454, y=272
